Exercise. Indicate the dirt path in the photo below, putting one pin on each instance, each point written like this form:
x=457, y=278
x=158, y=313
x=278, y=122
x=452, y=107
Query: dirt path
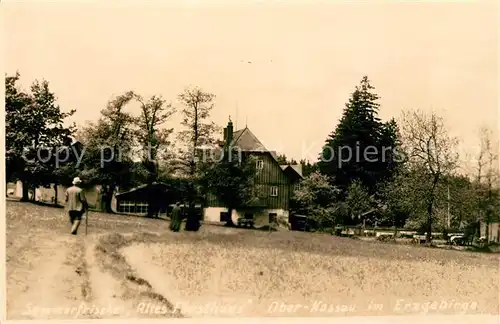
x=44, y=276
x=149, y=272
x=57, y=277
x=52, y=274
x=106, y=292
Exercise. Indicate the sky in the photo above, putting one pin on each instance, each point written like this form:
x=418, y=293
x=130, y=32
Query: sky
x=284, y=69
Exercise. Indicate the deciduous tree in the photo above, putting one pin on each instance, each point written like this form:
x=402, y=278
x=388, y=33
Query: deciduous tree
x=318, y=199
x=198, y=131
x=153, y=139
x=358, y=202
x=231, y=181
x=35, y=128
x=431, y=153
x=487, y=180
x=108, y=148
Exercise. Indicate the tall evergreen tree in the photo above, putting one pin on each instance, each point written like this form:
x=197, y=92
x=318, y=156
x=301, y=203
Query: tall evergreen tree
x=307, y=167
x=392, y=156
x=361, y=146
x=282, y=159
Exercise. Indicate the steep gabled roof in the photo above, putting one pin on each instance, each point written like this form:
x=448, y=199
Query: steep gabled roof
x=274, y=155
x=296, y=168
x=237, y=134
x=245, y=140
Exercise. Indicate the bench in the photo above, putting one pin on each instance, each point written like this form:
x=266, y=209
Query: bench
x=246, y=222
x=419, y=239
x=385, y=236
x=462, y=240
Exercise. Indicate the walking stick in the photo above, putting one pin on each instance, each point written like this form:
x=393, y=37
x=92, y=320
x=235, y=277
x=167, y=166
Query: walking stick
x=86, y=220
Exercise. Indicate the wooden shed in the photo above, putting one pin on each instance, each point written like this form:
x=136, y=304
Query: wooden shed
x=141, y=199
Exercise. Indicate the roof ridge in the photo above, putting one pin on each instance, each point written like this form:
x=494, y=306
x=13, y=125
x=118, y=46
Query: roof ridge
x=256, y=139
x=239, y=135
x=291, y=166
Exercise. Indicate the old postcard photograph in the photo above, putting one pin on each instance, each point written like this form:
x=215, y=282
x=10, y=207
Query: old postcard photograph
x=184, y=160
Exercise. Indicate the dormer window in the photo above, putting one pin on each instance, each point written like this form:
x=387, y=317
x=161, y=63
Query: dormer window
x=260, y=164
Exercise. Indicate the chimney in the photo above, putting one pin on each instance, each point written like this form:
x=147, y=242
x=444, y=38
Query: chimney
x=229, y=131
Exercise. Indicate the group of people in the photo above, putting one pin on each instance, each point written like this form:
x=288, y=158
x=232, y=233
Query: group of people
x=76, y=205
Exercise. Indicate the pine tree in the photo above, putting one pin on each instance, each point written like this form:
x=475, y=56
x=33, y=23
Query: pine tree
x=307, y=167
x=361, y=146
x=282, y=160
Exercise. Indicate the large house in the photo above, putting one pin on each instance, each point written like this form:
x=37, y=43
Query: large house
x=275, y=183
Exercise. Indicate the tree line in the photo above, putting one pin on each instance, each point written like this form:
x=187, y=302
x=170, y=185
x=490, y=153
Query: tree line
x=411, y=179
x=121, y=150
x=402, y=172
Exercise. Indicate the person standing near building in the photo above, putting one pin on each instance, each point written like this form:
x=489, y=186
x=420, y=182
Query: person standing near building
x=175, y=219
x=76, y=204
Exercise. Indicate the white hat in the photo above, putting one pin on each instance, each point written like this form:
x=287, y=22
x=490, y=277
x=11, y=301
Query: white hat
x=76, y=180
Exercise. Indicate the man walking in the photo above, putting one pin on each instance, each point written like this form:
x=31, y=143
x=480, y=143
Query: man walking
x=175, y=219
x=76, y=204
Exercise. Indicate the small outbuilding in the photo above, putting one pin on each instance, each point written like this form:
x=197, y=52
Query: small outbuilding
x=152, y=199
